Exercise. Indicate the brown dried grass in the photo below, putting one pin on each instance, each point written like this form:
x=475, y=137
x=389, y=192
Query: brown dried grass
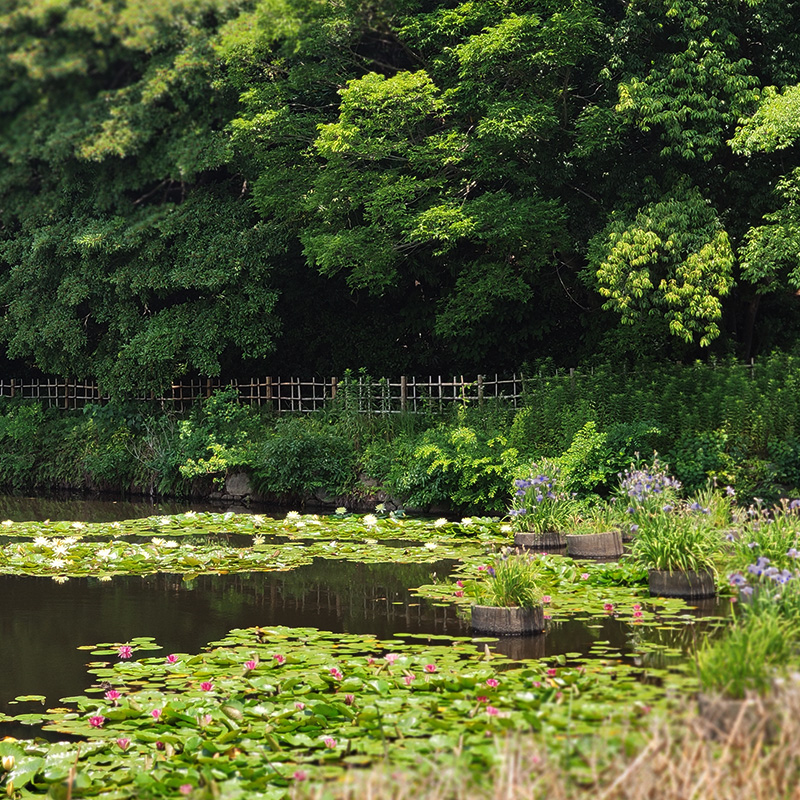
x=680, y=759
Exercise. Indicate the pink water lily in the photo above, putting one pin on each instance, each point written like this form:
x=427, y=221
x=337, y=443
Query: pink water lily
x=206, y=686
x=349, y=699
x=329, y=742
x=250, y=665
x=123, y=744
x=492, y=682
x=547, y=599
x=481, y=699
x=430, y=668
x=299, y=706
x=172, y=659
x=492, y=711
x=155, y=713
x=300, y=775
x=185, y=789
x=125, y=651
x=390, y=658
x=279, y=659
x=408, y=679
x=336, y=674
x=608, y=607
x=459, y=593
x=97, y=721
x=113, y=695
x=551, y=673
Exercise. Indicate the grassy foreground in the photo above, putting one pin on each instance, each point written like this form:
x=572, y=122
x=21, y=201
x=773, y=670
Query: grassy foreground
x=681, y=759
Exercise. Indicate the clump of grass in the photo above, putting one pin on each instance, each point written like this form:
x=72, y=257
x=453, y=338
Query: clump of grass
x=746, y=657
x=510, y=579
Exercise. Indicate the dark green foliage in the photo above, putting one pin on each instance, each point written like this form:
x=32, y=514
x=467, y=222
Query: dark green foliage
x=300, y=459
x=218, y=186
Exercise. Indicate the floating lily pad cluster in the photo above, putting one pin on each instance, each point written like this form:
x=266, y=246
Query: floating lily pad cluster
x=214, y=543
x=267, y=707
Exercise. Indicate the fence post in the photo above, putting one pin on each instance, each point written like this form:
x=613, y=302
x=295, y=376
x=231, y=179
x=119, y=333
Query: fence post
x=334, y=386
x=480, y=390
x=403, y=392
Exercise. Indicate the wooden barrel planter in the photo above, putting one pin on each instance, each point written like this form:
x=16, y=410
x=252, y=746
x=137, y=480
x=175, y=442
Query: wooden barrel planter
x=607, y=545
x=548, y=540
x=722, y=718
x=664, y=583
x=508, y=621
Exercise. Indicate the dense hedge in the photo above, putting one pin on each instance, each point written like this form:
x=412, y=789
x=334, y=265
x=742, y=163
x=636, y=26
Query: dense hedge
x=740, y=425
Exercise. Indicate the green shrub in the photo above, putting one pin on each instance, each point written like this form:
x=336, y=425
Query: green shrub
x=450, y=464
x=299, y=458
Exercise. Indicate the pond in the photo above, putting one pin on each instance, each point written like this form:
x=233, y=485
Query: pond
x=343, y=596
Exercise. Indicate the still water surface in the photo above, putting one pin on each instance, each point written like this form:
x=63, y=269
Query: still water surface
x=42, y=623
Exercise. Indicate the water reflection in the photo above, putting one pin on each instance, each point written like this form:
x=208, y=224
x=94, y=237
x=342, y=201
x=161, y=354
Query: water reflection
x=107, y=508
x=42, y=622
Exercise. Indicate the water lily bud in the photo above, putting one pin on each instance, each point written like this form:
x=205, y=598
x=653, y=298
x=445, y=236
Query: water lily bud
x=8, y=763
x=10, y=788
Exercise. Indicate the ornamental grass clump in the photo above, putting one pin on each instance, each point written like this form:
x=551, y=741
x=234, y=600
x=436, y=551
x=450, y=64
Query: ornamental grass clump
x=748, y=656
x=538, y=505
x=677, y=539
x=511, y=579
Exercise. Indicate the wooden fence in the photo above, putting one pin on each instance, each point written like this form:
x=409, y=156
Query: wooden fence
x=298, y=395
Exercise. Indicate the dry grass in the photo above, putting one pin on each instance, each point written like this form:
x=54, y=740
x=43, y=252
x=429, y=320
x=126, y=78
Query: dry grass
x=678, y=761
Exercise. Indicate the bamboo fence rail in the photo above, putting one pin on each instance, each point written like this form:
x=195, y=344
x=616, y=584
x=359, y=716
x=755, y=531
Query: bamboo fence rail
x=304, y=395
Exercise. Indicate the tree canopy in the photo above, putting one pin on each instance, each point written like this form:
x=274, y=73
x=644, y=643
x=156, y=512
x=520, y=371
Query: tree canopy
x=224, y=186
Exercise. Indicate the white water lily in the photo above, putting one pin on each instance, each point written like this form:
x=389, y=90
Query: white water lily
x=158, y=542
x=258, y=520
x=293, y=515
x=227, y=515
x=60, y=578
x=171, y=543
x=7, y=523
x=164, y=521
x=57, y=563
x=505, y=529
x=370, y=520
x=340, y=511
x=104, y=554
x=441, y=522
x=61, y=549
x=430, y=545
x=299, y=524
x=41, y=541
x=466, y=521
x=380, y=508
x=104, y=578
x=115, y=525
x=190, y=514
x=78, y=526
x=258, y=540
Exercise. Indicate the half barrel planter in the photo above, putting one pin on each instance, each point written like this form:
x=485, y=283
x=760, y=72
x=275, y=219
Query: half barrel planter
x=606, y=545
x=508, y=621
x=724, y=718
x=689, y=584
x=547, y=540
